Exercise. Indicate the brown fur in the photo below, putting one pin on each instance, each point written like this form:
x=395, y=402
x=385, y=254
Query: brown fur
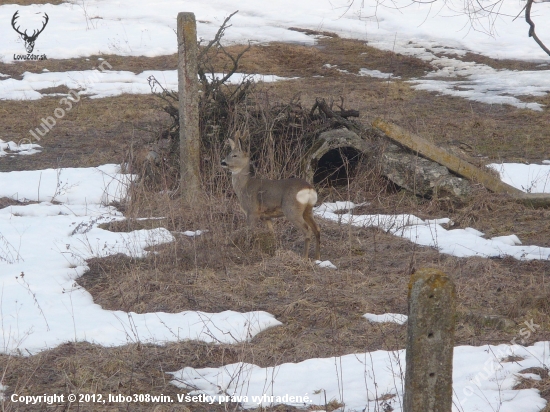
x=263, y=199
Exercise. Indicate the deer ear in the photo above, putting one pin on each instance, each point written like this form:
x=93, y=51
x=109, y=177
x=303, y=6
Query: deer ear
x=231, y=144
x=237, y=136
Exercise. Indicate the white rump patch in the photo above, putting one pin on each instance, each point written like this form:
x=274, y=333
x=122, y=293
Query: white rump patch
x=307, y=196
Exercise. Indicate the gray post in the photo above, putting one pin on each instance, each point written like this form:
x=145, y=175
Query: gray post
x=188, y=89
x=430, y=342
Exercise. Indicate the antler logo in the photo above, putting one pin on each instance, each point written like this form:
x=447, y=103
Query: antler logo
x=29, y=40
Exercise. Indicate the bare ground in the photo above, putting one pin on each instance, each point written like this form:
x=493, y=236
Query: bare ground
x=321, y=309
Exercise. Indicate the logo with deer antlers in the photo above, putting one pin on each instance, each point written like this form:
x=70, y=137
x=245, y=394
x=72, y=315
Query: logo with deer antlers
x=29, y=40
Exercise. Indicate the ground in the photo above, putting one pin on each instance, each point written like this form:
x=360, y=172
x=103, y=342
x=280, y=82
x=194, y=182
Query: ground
x=320, y=308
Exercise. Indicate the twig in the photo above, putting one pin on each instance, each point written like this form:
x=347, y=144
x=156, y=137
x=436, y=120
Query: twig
x=532, y=27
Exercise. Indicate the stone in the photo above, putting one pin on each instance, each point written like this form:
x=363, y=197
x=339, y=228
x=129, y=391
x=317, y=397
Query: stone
x=421, y=176
x=430, y=342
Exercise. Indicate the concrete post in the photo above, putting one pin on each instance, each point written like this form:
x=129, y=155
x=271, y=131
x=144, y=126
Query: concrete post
x=188, y=89
x=430, y=342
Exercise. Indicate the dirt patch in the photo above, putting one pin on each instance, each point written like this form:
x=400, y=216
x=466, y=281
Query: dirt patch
x=135, y=64
x=503, y=64
x=340, y=54
x=84, y=368
x=62, y=89
x=94, y=132
x=6, y=201
x=281, y=59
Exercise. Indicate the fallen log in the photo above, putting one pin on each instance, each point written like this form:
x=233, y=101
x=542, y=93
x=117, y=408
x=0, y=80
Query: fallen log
x=457, y=165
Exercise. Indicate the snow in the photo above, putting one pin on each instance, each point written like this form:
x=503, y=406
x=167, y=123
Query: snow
x=386, y=318
x=530, y=178
x=100, y=83
x=325, y=264
x=436, y=32
x=377, y=73
x=482, y=381
x=492, y=86
x=20, y=149
x=43, y=248
x=127, y=28
x=457, y=242
x=191, y=233
x=70, y=186
x=482, y=83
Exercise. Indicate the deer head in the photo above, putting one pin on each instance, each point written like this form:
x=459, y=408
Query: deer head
x=29, y=40
x=237, y=160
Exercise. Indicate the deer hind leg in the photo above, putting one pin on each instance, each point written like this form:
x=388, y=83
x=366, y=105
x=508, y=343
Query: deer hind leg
x=269, y=225
x=314, y=227
x=298, y=221
x=252, y=220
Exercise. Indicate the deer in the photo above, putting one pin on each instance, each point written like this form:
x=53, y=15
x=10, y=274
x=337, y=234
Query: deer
x=29, y=40
x=264, y=199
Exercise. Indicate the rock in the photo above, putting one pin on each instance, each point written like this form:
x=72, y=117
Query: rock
x=421, y=176
x=492, y=321
x=330, y=140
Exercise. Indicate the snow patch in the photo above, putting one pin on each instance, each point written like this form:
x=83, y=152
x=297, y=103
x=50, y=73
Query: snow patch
x=325, y=264
x=43, y=250
x=387, y=317
x=106, y=83
x=481, y=381
x=530, y=178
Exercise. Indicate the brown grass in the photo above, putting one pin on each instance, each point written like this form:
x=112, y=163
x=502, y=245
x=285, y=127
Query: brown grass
x=320, y=308
x=95, y=131
x=543, y=385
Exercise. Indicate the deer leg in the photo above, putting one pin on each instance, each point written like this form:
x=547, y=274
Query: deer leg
x=269, y=225
x=300, y=223
x=252, y=220
x=308, y=217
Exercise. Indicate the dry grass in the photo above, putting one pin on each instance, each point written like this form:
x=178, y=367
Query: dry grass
x=94, y=132
x=542, y=385
x=225, y=269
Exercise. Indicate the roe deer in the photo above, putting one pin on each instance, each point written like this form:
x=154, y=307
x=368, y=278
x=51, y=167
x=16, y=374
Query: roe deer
x=263, y=199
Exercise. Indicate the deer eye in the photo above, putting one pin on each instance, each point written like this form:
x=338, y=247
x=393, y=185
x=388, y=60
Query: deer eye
x=234, y=155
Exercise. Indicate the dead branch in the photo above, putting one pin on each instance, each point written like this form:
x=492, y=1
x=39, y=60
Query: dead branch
x=217, y=37
x=337, y=118
x=532, y=27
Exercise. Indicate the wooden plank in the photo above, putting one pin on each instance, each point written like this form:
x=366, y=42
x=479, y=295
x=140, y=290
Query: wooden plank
x=439, y=155
x=533, y=199
x=457, y=165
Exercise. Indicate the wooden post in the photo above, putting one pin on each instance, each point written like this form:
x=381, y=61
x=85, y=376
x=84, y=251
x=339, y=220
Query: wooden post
x=188, y=89
x=430, y=343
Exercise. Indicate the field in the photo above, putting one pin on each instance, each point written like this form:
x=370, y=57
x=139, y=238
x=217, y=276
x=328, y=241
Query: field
x=321, y=309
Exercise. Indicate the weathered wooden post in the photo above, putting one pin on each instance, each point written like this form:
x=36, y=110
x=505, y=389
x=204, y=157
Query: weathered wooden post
x=430, y=342
x=188, y=89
